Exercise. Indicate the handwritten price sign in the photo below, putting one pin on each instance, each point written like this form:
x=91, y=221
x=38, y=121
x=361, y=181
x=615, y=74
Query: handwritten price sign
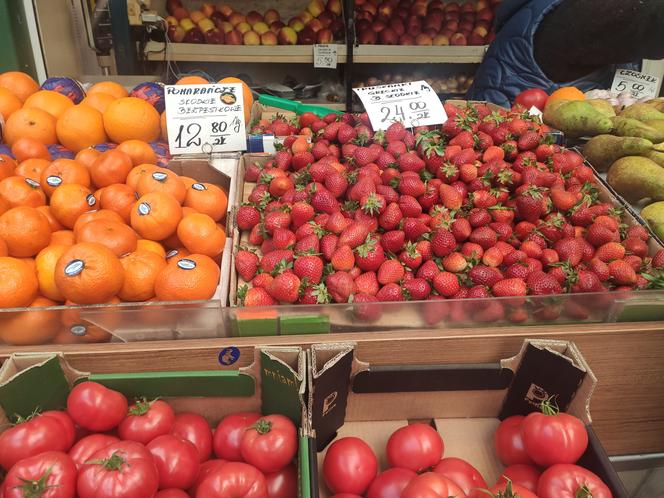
x=639, y=85
x=205, y=118
x=325, y=56
x=413, y=104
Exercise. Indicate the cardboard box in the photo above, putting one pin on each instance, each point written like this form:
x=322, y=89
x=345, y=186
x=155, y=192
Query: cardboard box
x=464, y=403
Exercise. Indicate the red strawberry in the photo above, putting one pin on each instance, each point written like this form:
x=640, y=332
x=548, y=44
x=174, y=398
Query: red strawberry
x=302, y=159
x=428, y=270
x=465, y=140
x=328, y=243
x=301, y=213
x=410, y=256
x=484, y=236
x=542, y=284
x=455, y=262
x=343, y=258
x=247, y=217
x=256, y=296
x=658, y=259
x=283, y=238
x=340, y=285
x=331, y=131
x=450, y=197
x=634, y=261
x=391, y=218
x=370, y=255
x=367, y=308
x=622, y=273
x=544, y=151
x=587, y=281
x=410, y=161
x=479, y=217
x=636, y=246
x=492, y=257
x=282, y=160
x=412, y=185
x=373, y=204
x=354, y=234
x=465, y=156
x=443, y=242
x=484, y=275
x=472, y=250
x=599, y=268
x=598, y=235
x=285, y=287
x=517, y=270
x=409, y=206
x=390, y=271
x=367, y=283
x=417, y=289
x=276, y=260
x=256, y=235
x=610, y=251
x=414, y=228
x=509, y=287
x=309, y=267
x=324, y=201
x=246, y=264
x=563, y=200
x=461, y=229
x=364, y=186
x=390, y=292
x=346, y=133
x=530, y=204
x=528, y=140
x=637, y=231
x=276, y=219
x=396, y=148
x=336, y=184
x=570, y=249
x=393, y=241
x=388, y=192
x=446, y=284
x=395, y=132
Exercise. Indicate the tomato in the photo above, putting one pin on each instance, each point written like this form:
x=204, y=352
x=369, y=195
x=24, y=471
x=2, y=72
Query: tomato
x=461, y=473
x=95, y=407
x=282, y=484
x=510, y=490
x=121, y=470
x=67, y=424
x=346, y=495
x=391, y=483
x=524, y=475
x=552, y=437
x=146, y=420
x=509, y=442
x=29, y=438
x=532, y=97
x=228, y=435
x=83, y=450
x=205, y=470
x=195, y=429
x=270, y=443
x=176, y=461
x=432, y=485
x=349, y=466
x=234, y=479
x=570, y=481
x=51, y=474
x=171, y=493
x=415, y=447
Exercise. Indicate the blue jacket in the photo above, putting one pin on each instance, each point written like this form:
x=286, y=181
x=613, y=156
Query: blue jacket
x=509, y=65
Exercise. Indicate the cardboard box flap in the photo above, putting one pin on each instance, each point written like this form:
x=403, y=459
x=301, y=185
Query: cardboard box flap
x=282, y=375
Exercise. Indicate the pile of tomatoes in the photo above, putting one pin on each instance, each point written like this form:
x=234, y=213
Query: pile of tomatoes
x=103, y=447
x=540, y=451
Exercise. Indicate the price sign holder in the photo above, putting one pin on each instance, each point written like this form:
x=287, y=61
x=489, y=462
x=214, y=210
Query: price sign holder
x=325, y=56
x=205, y=118
x=413, y=103
x=639, y=85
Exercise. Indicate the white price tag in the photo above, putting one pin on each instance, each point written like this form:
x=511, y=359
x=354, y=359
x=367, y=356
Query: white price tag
x=205, y=118
x=325, y=56
x=413, y=104
x=639, y=85
x=534, y=111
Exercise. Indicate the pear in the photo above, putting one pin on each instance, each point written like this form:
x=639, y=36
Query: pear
x=629, y=127
x=603, y=150
x=642, y=112
x=577, y=118
x=655, y=156
x=603, y=106
x=657, y=103
x=654, y=216
x=636, y=178
x=658, y=124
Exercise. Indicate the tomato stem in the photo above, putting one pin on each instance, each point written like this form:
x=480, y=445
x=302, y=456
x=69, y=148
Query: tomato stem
x=35, y=489
x=114, y=462
x=262, y=426
x=141, y=407
x=549, y=406
x=583, y=492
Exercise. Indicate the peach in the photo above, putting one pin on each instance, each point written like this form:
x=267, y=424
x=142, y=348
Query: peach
x=458, y=39
x=268, y=38
x=276, y=26
x=226, y=27
x=271, y=16
x=287, y=36
x=254, y=17
x=251, y=38
x=187, y=24
x=180, y=13
x=171, y=21
x=205, y=24
x=315, y=7
x=423, y=39
x=207, y=9
x=334, y=6
x=260, y=28
x=296, y=24
x=234, y=38
x=440, y=40
x=243, y=27
x=175, y=33
x=324, y=36
x=197, y=16
x=236, y=18
x=225, y=9
x=315, y=25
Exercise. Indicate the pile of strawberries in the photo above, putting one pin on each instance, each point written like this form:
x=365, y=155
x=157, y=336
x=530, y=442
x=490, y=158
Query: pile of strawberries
x=484, y=205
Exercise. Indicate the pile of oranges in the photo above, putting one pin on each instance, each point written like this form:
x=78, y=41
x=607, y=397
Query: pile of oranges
x=104, y=227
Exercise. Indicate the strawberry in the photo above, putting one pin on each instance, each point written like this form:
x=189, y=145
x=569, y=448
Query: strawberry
x=461, y=229
x=362, y=156
x=636, y=246
x=622, y=273
x=390, y=271
x=549, y=257
x=455, y=262
x=446, y=284
x=336, y=183
x=563, y=200
x=472, y=250
x=388, y=192
x=416, y=289
x=373, y=204
x=364, y=186
x=354, y=234
x=314, y=294
x=450, y=197
x=346, y=133
x=544, y=151
x=391, y=218
x=395, y=132
x=428, y=270
x=598, y=235
x=414, y=228
x=340, y=285
x=492, y=257
x=393, y=241
x=443, y=242
x=247, y=217
x=509, y=287
x=464, y=157
x=484, y=275
x=599, y=268
x=256, y=235
x=390, y=292
x=324, y=201
x=634, y=261
x=465, y=140
x=386, y=160
x=484, y=236
x=410, y=161
x=276, y=261
x=517, y=270
x=410, y=256
x=587, y=281
x=411, y=185
x=528, y=140
x=256, y=296
x=331, y=131
x=276, y=219
x=284, y=288
x=409, y=206
x=396, y=148
x=282, y=160
x=246, y=264
x=328, y=244
x=532, y=249
x=479, y=217
x=309, y=267
x=658, y=259
x=301, y=160
x=530, y=204
x=367, y=283
x=478, y=292
x=301, y=213
x=283, y=238
x=637, y=231
x=541, y=284
x=367, y=308
x=570, y=249
x=343, y=258
x=610, y=251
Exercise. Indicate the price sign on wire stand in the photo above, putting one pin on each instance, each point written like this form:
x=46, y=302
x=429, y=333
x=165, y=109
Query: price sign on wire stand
x=639, y=85
x=205, y=118
x=413, y=104
x=325, y=56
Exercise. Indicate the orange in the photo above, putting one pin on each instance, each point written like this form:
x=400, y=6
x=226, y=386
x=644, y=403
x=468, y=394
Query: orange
x=52, y=222
x=32, y=168
x=30, y=122
x=20, y=84
x=45, y=265
x=108, y=87
x=173, y=242
x=79, y=331
x=4, y=207
x=139, y=151
x=566, y=93
x=208, y=199
x=80, y=127
x=31, y=328
x=63, y=172
x=201, y=235
x=18, y=285
x=110, y=167
x=68, y=202
x=87, y=156
x=186, y=211
x=192, y=80
x=156, y=215
x=247, y=96
x=31, y=264
x=174, y=255
x=89, y=273
x=29, y=148
x=162, y=127
x=137, y=172
x=7, y=166
x=162, y=180
x=141, y=270
x=119, y=198
x=192, y=278
x=63, y=237
x=118, y=237
x=25, y=230
x=102, y=214
x=188, y=181
x=19, y=191
x=99, y=101
x=9, y=103
x=151, y=245
x=47, y=100
x=4, y=251
x=131, y=118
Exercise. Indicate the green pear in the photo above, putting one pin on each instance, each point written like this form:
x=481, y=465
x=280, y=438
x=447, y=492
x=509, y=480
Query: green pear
x=636, y=178
x=629, y=127
x=658, y=124
x=655, y=156
x=577, y=118
x=642, y=112
x=603, y=150
x=657, y=103
x=654, y=216
x=603, y=106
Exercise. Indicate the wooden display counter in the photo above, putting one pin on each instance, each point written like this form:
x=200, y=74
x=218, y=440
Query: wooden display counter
x=627, y=359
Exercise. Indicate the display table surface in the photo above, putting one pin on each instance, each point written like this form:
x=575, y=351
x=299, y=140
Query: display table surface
x=627, y=358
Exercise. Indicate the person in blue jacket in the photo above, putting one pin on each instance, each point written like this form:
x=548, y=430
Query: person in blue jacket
x=552, y=43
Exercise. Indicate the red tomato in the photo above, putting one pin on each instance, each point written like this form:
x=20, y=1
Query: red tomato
x=146, y=420
x=234, y=479
x=205, y=470
x=36, y=435
x=415, y=447
x=195, y=429
x=461, y=473
x=346, y=495
x=349, y=466
x=532, y=97
x=509, y=442
x=270, y=443
x=176, y=461
x=121, y=470
x=524, y=475
x=171, y=493
x=228, y=435
x=51, y=474
x=95, y=407
x=554, y=437
x=83, y=450
x=568, y=481
x=509, y=489
x=432, y=485
x=391, y=483
x=67, y=424
x=282, y=484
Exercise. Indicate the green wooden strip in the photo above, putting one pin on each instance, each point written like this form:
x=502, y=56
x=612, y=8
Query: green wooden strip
x=305, y=468
x=304, y=324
